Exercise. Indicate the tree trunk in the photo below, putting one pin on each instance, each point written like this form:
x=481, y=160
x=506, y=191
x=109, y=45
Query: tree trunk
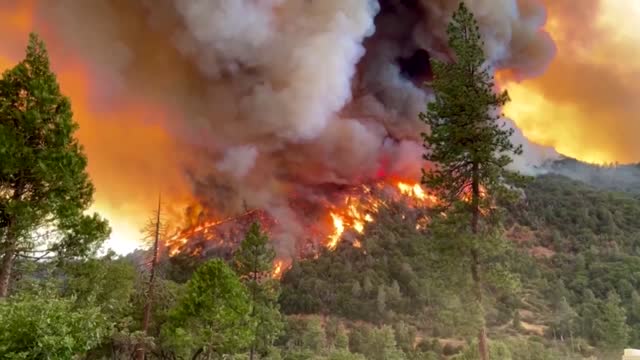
x=252, y=352
x=5, y=270
x=146, y=318
x=483, y=347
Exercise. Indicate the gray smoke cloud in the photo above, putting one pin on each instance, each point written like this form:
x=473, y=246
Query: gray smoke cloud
x=275, y=99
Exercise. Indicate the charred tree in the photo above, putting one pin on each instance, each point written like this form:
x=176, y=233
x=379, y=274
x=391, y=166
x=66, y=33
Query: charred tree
x=154, y=232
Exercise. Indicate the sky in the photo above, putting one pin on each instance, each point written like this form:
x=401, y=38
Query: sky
x=585, y=106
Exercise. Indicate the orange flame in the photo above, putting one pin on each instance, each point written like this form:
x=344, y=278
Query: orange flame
x=176, y=243
x=417, y=192
x=278, y=267
x=357, y=213
x=338, y=224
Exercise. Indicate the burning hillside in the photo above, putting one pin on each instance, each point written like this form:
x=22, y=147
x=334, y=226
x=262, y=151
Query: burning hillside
x=277, y=105
x=343, y=221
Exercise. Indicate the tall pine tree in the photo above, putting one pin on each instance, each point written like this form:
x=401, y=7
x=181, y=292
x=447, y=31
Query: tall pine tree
x=44, y=186
x=615, y=331
x=253, y=262
x=467, y=144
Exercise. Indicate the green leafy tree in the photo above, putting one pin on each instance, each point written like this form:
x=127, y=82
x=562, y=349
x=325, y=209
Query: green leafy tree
x=44, y=185
x=212, y=317
x=590, y=312
x=253, y=262
x=380, y=344
x=43, y=326
x=107, y=282
x=314, y=337
x=467, y=145
x=615, y=332
x=564, y=321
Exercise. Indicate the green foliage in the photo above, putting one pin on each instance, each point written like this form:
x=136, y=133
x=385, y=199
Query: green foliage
x=43, y=178
x=108, y=282
x=254, y=258
x=253, y=262
x=469, y=150
x=516, y=349
x=615, y=332
x=47, y=327
x=376, y=343
x=44, y=186
x=212, y=317
x=465, y=139
x=394, y=257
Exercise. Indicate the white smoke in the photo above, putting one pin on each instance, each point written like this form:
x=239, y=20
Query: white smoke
x=274, y=96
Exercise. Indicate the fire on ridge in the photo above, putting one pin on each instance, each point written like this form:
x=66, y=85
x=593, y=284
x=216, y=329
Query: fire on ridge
x=345, y=219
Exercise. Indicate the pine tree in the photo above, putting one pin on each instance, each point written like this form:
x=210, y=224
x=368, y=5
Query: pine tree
x=615, y=332
x=253, y=262
x=590, y=313
x=467, y=144
x=564, y=320
x=44, y=185
x=210, y=318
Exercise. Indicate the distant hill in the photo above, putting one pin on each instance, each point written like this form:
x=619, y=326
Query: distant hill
x=576, y=239
x=611, y=177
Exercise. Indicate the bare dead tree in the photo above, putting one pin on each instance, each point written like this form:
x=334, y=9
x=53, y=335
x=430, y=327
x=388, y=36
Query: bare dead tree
x=154, y=232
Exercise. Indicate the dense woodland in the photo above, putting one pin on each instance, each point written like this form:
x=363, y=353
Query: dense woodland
x=548, y=269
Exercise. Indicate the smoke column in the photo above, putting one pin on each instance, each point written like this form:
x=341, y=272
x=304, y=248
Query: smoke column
x=585, y=105
x=235, y=103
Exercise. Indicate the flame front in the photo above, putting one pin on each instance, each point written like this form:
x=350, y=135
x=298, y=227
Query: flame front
x=338, y=224
x=360, y=211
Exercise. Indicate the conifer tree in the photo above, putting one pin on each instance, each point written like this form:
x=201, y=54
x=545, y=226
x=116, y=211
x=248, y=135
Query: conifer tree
x=467, y=144
x=615, y=332
x=253, y=262
x=44, y=185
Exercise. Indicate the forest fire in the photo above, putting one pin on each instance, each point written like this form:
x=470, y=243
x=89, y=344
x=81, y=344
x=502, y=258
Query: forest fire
x=278, y=267
x=132, y=83
x=358, y=207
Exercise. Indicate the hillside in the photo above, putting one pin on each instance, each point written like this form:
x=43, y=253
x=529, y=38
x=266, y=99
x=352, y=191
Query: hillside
x=576, y=254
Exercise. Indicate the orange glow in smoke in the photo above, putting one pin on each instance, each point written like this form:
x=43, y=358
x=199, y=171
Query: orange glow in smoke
x=585, y=105
x=130, y=154
x=278, y=267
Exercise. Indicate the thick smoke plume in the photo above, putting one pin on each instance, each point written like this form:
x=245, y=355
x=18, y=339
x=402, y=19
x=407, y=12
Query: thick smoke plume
x=585, y=105
x=269, y=101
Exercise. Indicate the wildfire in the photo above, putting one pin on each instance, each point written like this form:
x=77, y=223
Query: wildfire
x=357, y=212
x=358, y=208
x=338, y=224
x=417, y=192
x=176, y=243
x=277, y=269
x=355, y=216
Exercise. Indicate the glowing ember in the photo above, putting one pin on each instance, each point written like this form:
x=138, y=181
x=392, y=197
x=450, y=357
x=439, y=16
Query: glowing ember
x=176, y=243
x=277, y=269
x=413, y=191
x=361, y=210
x=359, y=207
x=417, y=192
x=338, y=224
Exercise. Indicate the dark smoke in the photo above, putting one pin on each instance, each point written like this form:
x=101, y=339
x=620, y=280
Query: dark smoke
x=282, y=99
